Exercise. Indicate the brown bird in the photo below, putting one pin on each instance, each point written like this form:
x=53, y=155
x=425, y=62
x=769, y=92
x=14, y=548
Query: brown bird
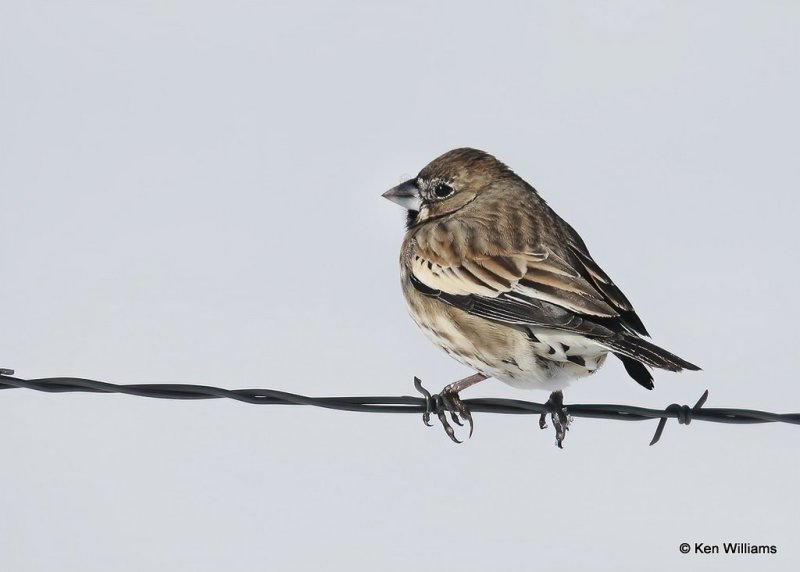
x=497, y=279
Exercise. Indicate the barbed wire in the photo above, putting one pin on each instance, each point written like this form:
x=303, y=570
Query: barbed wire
x=402, y=404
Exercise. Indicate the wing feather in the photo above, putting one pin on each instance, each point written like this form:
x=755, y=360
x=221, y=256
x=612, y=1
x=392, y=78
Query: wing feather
x=590, y=270
x=536, y=275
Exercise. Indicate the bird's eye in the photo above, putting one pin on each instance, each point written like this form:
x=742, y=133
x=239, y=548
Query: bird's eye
x=443, y=190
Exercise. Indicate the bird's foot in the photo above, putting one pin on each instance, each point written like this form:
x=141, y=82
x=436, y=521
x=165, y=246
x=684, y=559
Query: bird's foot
x=448, y=402
x=457, y=409
x=559, y=416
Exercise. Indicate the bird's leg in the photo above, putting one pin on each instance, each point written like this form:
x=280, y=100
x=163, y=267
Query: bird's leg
x=559, y=416
x=453, y=404
x=448, y=401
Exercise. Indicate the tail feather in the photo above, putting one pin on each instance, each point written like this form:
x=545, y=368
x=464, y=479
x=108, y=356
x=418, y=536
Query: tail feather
x=637, y=371
x=635, y=353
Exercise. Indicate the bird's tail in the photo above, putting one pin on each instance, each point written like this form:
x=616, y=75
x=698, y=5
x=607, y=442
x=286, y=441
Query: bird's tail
x=635, y=353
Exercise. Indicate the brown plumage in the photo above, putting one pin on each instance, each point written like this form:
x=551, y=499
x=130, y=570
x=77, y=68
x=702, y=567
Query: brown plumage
x=496, y=278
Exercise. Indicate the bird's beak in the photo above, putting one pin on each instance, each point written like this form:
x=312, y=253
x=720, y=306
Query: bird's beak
x=406, y=195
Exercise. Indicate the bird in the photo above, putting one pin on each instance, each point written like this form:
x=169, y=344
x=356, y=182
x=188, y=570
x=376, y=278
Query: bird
x=493, y=276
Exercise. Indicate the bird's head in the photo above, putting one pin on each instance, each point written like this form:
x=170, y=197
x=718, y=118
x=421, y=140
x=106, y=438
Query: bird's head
x=447, y=183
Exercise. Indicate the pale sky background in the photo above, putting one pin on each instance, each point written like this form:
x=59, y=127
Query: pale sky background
x=190, y=192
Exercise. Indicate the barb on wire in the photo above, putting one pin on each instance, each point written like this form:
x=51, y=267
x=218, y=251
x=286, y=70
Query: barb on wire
x=402, y=404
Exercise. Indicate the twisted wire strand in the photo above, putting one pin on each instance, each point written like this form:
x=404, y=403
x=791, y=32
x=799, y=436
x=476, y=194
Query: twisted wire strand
x=401, y=404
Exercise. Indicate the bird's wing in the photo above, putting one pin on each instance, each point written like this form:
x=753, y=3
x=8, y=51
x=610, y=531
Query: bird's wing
x=585, y=265
x=478, y=261
x=532, y=286
x=523, y=277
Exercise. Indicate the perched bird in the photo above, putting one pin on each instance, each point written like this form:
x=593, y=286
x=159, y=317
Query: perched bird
x=497, y=279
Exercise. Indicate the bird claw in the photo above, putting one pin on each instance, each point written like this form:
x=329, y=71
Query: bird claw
x=443, y=404
x=450, y=406
x=447, y=427
x=558, y=414
x=561, y=424
x=457, y=408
